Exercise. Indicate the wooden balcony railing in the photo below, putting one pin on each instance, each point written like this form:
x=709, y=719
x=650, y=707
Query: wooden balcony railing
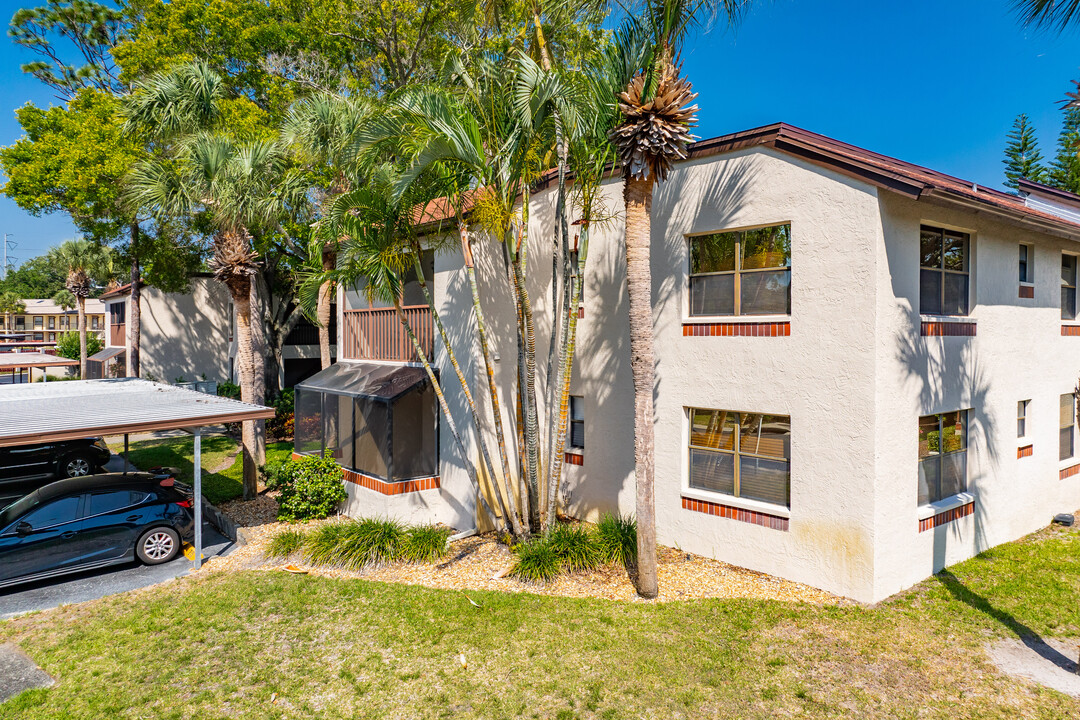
x=379, y=335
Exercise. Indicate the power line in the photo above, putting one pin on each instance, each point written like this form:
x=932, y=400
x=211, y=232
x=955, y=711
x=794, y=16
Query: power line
x=8, y=259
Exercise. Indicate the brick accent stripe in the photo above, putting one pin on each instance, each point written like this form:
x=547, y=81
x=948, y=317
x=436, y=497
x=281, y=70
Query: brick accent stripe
x=946, y=517
x=581, y=311
x=1027, y=291
x=573, y=458
x=1069, y=472
x=387, y=488
x=1070, y=331
x=732, y=329
x=948, y=329
x=733, y=513
x=1023, y=452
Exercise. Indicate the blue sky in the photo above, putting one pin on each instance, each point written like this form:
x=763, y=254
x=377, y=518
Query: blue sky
x=934, y=83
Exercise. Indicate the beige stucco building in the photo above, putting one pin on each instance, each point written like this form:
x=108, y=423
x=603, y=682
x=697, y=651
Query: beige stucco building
x=864, y=368
x=44, y=321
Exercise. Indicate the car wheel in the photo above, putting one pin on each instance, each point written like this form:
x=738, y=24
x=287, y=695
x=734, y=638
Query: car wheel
x=158, y=545
x=76, y=465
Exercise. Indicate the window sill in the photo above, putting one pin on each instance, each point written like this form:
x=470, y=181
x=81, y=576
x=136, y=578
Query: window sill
x=737, y=502
x=726, y=319
x=961, y=319
x=949, y=503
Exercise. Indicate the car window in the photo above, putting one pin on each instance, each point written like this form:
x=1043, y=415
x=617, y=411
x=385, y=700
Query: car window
x=54, y=513
x=103, y=502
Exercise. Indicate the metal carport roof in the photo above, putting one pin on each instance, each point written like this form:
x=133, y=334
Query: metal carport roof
x=49, y=412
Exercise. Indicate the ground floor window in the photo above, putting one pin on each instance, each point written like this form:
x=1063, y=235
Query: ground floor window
x=746, y=455
x=942, y=456
x=576, y=437
x=1066, y=445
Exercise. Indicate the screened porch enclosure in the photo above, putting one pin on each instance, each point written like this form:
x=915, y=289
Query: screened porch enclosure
x=379, y=420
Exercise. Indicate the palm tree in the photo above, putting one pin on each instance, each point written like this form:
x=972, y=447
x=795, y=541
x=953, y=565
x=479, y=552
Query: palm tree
x=238, y=190
x=319, y=129
x=85, y=262
x=1059, y=14
x=10, y=304
x=654, y=133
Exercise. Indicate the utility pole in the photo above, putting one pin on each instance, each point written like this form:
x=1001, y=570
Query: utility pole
x=8, y=245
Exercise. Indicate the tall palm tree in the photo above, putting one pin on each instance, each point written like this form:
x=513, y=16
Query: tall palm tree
x=85, y=263
x=657, y=115
x=10, y=304
x=1059, y=14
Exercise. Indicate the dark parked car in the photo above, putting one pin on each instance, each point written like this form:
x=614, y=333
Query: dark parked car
x=28, y=467
x=91, y=522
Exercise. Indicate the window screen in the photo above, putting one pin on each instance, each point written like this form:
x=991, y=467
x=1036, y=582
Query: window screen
x=741, y=454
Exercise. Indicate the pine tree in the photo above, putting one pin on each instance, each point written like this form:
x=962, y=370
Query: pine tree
x=1065, y=170
x=1022, y=156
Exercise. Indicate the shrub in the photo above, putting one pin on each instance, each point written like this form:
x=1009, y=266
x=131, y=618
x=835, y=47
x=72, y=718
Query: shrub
x=228, y=390
x=311, y=487
x=280, y=427
x=536, y=562
x=425, y=543
x=575, y=547
x=285, y=543
x=321, y=545
x=67, y=344
x=616, y=538
x=356, y=544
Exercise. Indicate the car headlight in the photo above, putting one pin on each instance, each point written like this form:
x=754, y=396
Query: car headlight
x=100, y=442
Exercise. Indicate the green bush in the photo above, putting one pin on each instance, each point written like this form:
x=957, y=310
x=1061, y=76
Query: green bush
x=228, y=390
x=280, y=427
x=356, y=544
x=285, y=543
x=536, y=561
x=616, y=539
x=425, y=543
x=311, y=487
x=575, y=547
x=67, y=344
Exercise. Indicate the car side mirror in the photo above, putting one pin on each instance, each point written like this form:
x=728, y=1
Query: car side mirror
x=23, y=529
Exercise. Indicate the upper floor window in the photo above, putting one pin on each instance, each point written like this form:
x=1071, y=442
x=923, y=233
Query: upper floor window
x=576, y=438
x=743, y=272
x=117, y=313
x=1068, y=287
x=942, y=456
x=1021, y=418
x=1066, y=425
x=1027, y=266
x=39, y=322
x=52, y=322
x=745, y=455
x=943, y=271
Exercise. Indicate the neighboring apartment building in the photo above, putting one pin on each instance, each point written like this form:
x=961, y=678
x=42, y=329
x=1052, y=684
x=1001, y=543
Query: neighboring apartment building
x=191, y=335
x=44, y=320
x=865, y=369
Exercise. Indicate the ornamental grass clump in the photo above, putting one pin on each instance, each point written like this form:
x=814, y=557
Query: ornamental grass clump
x=575, y=546
x=426, y=543
x=616, y=539
x=322, y=546
x=536, y=562
x=285, y=543
x=369, y=542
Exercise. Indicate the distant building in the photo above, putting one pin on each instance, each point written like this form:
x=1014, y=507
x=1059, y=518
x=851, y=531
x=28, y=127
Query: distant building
x=44, y=320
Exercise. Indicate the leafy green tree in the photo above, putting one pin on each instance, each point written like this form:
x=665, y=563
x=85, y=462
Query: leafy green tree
x=35, y=278
x=85, y=262
x=70, y=345
x=1022, y=156
x=91, y=29
x=1065, y=170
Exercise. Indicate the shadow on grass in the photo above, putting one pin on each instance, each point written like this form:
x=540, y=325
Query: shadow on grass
x=1029, y=637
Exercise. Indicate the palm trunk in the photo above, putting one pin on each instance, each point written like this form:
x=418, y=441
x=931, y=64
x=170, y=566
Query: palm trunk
x=470, y=466
x=259, y=357
x=329, y=263
x=637, y=194
x=134, y=321
x=245, y=360
x=532, y=430
x=81, y=301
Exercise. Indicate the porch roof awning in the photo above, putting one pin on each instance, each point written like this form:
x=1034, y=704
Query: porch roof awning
x=10, y=361
x=106, y=354
x=366, y=380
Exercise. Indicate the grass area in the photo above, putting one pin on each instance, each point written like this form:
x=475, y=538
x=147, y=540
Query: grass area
x=180, y=452
x=261, y=644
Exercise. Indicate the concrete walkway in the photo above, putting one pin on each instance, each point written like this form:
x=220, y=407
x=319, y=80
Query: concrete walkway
x=19, y=673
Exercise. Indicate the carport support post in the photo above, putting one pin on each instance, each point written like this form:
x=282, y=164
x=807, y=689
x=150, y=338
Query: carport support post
x=198, y=498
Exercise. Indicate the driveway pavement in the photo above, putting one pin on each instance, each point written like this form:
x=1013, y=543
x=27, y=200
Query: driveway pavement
x=96, y=584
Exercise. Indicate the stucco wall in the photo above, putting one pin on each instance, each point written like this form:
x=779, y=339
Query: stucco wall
x=186, y=334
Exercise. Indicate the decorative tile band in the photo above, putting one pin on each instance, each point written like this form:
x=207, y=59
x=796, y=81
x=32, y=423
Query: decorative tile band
x=573, y=458
x=1027, y=291
x=946, y=517
x=1023, y=452
x=948, y=329
x=387, y=488
x=1070, y=331
x=1069, y=472
x=732, y=329
x=734, y=513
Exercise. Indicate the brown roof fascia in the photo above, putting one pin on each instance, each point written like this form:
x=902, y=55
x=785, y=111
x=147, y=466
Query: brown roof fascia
x=1038, y=189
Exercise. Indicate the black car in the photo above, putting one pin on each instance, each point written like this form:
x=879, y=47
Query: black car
x=27, y=467
x=91, y=522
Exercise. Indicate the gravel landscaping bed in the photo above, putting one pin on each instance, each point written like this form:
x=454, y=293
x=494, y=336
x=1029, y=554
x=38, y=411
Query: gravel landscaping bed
x=480, y=563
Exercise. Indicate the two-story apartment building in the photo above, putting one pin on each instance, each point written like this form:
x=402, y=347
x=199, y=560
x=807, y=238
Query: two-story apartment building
x=44, y=321
x=865, y=369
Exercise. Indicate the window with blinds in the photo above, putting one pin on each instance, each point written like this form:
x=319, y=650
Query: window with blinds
x=745, y=455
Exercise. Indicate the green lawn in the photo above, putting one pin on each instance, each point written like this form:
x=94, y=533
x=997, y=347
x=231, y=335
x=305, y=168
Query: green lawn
x=262, y=644
x=180, y=453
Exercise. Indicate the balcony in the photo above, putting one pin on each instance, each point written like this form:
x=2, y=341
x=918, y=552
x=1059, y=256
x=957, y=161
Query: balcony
x=378, y=334
x=118, y=335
